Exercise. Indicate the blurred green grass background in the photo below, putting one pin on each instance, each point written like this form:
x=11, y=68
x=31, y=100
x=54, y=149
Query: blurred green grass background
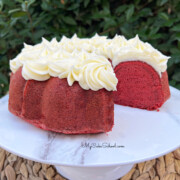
x=156, y=21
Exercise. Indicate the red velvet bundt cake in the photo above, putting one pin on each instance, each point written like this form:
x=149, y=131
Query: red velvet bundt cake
x=67, y=95
x=139, y=85
x=54, y=105
x=71, y=86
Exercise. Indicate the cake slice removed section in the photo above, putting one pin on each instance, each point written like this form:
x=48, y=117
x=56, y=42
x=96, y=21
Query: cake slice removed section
x=140, y=86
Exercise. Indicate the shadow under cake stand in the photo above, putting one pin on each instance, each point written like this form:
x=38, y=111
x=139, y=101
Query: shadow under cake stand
x=137, y=136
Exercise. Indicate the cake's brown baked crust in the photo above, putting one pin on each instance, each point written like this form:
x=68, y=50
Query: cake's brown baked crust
x=54, y=105
x=139, y=85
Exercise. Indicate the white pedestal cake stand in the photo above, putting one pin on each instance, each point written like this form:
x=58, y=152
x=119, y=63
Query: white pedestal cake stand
x=137, y=136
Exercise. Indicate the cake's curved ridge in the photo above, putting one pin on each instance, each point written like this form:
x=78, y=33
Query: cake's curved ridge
x=47, y=105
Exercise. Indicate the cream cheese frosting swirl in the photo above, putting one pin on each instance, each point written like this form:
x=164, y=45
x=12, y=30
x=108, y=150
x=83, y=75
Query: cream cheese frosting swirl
x=119, y=49
x=47, y=59
x=85, y=60
x=134, y=49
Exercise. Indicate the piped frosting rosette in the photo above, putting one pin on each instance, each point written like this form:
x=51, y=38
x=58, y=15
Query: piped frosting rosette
x=119, y=49
x=47, y=59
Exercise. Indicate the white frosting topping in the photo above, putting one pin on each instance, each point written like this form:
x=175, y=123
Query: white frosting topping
x=85, y=60
x=119, y=49
x=135, y=49
x=47, y=59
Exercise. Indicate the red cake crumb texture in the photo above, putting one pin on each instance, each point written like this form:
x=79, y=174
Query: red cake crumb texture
x=140, y=86
x=54, y=105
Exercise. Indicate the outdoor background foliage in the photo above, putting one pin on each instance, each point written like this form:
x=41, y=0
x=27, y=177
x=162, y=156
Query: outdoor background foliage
x=156, y=21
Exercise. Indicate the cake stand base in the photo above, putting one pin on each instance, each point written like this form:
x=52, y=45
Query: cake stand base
x=95, y=173
x=137, y=136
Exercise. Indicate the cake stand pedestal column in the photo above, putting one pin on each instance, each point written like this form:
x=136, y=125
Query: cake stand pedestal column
x=95, y=173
